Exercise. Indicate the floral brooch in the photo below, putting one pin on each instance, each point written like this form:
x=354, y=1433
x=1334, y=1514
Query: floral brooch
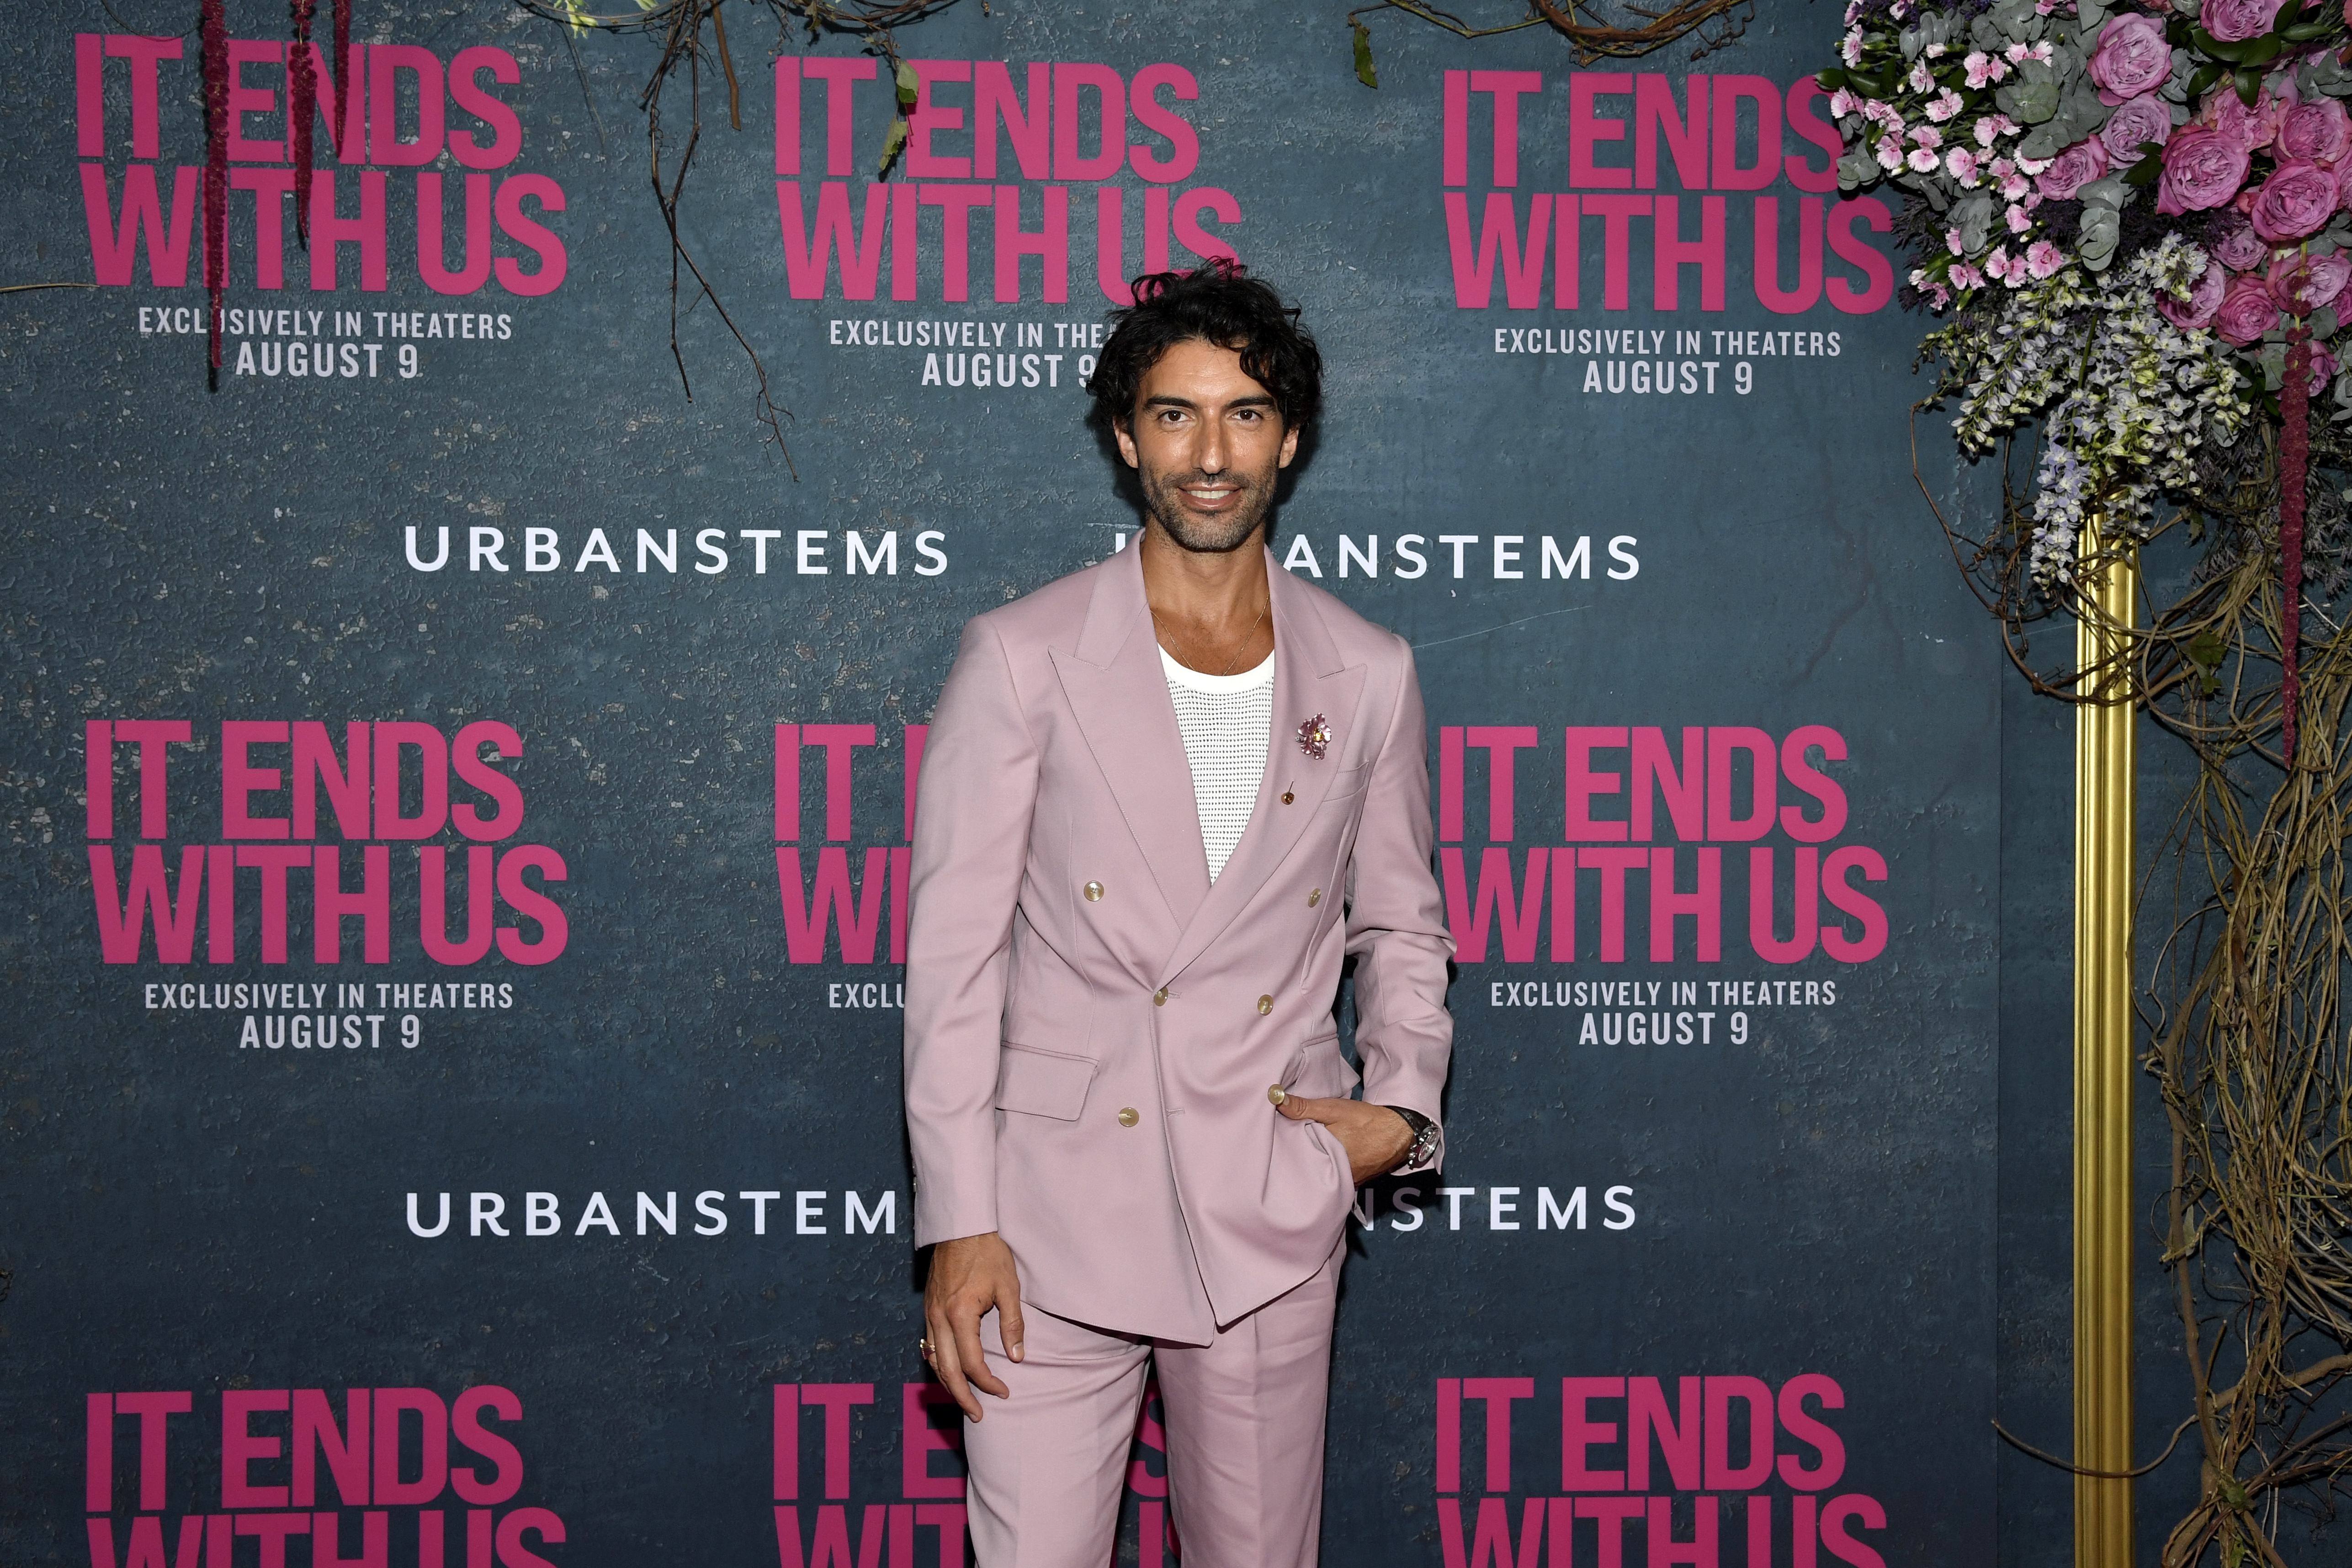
x=1315, y=736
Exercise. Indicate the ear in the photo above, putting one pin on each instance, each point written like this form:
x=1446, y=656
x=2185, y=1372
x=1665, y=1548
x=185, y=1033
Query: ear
x=1289, y=447
x=1124, y=430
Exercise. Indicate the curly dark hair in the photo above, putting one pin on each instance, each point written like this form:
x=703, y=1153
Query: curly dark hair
x=1220, y=304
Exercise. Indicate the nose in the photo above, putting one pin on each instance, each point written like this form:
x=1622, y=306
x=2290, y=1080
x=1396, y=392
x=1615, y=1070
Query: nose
x=1212, y=452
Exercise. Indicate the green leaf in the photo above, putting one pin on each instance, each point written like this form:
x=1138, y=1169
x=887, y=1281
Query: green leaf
x=894, y=141
x=2287, y=13
x=2205, y=650
x=2249, y=84
x=2147, y=171
x=2207, y=43
x=2262, y=51
x=909, y=84
x=1829, y=80
x=1365, y=72
x=2203, y=79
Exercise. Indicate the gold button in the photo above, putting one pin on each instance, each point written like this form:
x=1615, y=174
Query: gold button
x=1288, y=797
x=1277, y=1093
x=1127, y=1116
x=1159, y=997
x=1265, y=1005
x=1314, y=898
x=1093, y=893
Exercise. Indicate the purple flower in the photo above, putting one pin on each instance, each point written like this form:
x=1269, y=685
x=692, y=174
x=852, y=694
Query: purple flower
x=2233, y=21
x=2143, y=119
x=2297, y=200
x=2202, y=170
x=2074, y=169
x=2204, y=302
x=2323, y=368
x=2303, y=284
x=2239, y=248
x=2247, y=311
x=2320, y=131
x=2251, y=129
x=2132, y=57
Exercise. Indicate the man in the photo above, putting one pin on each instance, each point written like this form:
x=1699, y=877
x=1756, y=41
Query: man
x=1161, y=800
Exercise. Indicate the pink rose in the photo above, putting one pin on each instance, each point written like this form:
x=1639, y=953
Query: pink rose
x=2303, y=284
x=2143, y=119
x=2297, y=200
x=2132, y=57
x=2247, y=311
x=2233, y=21
x=2074, y=169
x=2204, y=302
x=2320, y=133
x=2202, y=170
x=2240, y=249
x=2251, y=129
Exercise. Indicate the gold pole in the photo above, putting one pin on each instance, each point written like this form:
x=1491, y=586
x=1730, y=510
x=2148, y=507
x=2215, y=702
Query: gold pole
x=2104, y=753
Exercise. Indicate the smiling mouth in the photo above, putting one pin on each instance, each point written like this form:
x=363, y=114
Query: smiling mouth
x=1209, y=495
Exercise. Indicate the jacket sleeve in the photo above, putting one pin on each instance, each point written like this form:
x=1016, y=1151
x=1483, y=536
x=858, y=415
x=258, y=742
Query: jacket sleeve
x=975, y=795
x=1396, y=924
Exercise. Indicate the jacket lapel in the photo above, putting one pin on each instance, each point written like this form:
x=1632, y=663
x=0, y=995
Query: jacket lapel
x=1308, y=683
x=1119, y=695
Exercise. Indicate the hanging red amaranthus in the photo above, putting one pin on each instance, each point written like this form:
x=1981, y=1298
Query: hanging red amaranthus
x=2295, y=463
x=301, y=101
x=345, y=88
x=215, y=53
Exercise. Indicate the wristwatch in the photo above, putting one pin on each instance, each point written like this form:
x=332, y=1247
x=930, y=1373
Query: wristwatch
x=1425, y=1137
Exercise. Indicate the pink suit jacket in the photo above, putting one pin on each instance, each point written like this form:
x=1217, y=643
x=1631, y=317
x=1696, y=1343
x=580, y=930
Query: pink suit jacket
x=1089, y=1076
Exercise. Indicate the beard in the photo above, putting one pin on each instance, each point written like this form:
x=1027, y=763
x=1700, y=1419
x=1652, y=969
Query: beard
x=1219, y=535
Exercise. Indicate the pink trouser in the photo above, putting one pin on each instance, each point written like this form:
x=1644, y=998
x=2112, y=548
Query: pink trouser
x=1244, y=1422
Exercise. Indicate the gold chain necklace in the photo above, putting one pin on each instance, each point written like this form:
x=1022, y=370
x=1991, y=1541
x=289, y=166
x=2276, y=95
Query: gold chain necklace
x=1239, y=648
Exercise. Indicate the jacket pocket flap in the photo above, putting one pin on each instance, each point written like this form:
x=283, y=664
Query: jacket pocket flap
x=1042, y=1083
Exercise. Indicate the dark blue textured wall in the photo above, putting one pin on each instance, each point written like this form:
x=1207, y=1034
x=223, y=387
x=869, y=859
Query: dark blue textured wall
x=1816, y=1196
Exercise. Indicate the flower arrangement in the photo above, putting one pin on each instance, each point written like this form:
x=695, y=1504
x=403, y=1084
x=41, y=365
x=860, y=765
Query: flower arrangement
x=2134, y=226
x=2136, y=221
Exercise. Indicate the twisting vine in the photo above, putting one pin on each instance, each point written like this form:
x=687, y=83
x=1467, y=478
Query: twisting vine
x=2244, y=1009
x=692, y=34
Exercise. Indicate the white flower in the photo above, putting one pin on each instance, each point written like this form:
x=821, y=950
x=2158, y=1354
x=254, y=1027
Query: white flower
x=1961, y=164
x=1850, y=48
x=1889, y=153
x=1944, y=106
x=1922, y=161
x=1843, y=102
x=1993, y=126
x=2033, y=165
x=1919, y=81
x=1983, y=67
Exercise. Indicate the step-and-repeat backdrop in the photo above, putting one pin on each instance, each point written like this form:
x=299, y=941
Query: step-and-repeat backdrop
x=458, y=787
